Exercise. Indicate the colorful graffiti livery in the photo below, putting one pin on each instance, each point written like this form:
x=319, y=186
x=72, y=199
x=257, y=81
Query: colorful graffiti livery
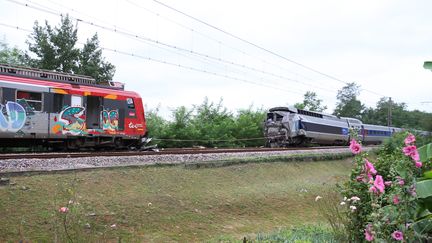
x=14, y=118
x=110, y=120
x=71, y=121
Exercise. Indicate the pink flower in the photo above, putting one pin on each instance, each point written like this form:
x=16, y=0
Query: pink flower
x=369, y=169
x=409, y=150
x=410, y=139
x=415, y=156
x=388, y=183
x=355, y=147
x=368, y=233
x=395, y=199
x=401, y=181
x=63, y=210
x=397, y=235
x=379, y=183
x=418, y=164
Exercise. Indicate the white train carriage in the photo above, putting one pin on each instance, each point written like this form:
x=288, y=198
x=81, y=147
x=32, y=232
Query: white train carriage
x=287, y=126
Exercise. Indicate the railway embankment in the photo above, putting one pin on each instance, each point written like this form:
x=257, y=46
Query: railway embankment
x=191, y=160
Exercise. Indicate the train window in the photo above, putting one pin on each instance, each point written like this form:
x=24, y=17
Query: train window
x=76, y=101
x=279, y=117
x=32, y=99
x=130, y=103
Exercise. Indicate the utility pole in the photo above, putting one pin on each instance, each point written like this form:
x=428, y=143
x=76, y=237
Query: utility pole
x=389, y=115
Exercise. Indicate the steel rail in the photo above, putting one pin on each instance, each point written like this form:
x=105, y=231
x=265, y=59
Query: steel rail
x=172, y=151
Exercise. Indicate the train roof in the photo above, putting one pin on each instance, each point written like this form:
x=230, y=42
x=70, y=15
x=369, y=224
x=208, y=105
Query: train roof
x=38, y=77
x=302, y=112
x=288, y=109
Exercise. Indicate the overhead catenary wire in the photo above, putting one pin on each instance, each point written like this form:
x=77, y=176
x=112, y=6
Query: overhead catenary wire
x=116, y=29
x=175, y=64
x=215, y=40
x=122, y=31
x=259, y=47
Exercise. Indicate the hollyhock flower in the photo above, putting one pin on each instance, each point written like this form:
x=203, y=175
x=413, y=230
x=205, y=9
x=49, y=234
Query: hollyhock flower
x=388, y=183
x=409, y=150
x=355, y=147
x=353, y=208
x=395, y=199
x=397, y=235
x=410, y=139
x=415, y=156
x=373, y=189
x=63, y=210
x=369, y=169
x=368, y=233
x=418, y=164
x=379, y=183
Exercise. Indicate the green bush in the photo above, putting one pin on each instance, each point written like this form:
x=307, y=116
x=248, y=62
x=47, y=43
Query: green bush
x=208, y=125
x=393, y=193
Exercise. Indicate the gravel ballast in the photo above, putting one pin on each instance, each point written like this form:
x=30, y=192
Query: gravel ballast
x=17, y=165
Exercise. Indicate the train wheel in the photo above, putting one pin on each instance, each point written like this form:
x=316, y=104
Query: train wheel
x=118, y=143
x=71, y=144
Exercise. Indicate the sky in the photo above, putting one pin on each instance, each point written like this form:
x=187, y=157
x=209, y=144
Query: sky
x=249, y=53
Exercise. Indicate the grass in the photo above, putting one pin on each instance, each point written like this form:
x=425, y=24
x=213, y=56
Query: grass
x=167, y=203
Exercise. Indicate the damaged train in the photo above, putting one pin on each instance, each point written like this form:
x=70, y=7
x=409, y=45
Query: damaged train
x=288, y=126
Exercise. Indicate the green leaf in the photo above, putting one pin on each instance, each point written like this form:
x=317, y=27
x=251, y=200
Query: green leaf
x=424, y=188
x=423, y=226
x=427, y=174
x=425, y=152
x=401, y=171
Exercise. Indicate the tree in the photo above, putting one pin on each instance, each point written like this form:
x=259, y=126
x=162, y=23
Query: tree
x=379, y=115
x=92, y=63
x=55, y=50
x=12, y=56
x=348, y=105
x=311, y=102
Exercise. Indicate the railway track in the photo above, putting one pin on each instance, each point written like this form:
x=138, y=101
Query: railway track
x=171, y=151
x=24, y=164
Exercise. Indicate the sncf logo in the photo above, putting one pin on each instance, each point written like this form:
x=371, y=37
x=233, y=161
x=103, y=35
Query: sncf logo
x=131, y=125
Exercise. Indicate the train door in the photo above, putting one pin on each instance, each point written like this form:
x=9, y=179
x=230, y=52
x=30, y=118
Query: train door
x=362, y=133
x=94, y=105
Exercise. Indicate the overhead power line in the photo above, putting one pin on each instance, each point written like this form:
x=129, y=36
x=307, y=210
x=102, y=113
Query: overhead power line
x=157, y=14
x=127, y=33
x=118, y=30
x=177, y=65
x=257, y=46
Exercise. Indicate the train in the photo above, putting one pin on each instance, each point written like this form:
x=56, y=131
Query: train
x=60, y=110
x=289, y=126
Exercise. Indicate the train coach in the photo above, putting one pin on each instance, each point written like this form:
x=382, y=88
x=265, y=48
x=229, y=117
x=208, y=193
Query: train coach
x=288, y=126
x=61, y=110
